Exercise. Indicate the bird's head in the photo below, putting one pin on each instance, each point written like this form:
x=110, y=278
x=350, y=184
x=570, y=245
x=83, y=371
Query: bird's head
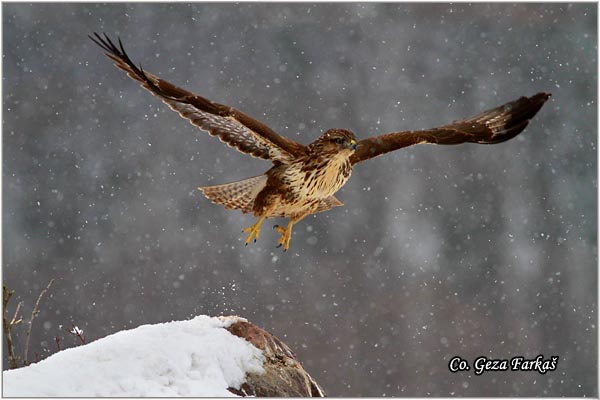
x=335, y=141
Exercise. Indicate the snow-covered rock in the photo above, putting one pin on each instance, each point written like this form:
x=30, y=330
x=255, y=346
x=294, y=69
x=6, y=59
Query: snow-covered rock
x=283, y=376
x=183, y=358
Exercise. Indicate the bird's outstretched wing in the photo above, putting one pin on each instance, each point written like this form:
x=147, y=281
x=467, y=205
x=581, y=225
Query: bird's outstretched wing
x=493, y=126
x=230, y=125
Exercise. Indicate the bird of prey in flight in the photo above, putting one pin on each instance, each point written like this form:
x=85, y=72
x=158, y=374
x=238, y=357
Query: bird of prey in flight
x=304, y=178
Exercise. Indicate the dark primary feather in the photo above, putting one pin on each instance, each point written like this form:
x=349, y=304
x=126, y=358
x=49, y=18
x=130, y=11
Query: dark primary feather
x=253, y=137
x=493, y=126
x=230, y=125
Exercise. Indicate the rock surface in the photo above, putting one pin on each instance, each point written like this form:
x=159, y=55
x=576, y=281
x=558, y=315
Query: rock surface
x=284, y=375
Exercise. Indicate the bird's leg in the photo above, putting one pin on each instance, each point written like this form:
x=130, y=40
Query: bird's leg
x=286, y=235
x=254, y=230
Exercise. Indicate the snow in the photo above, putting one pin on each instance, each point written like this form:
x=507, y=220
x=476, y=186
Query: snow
x=422, y=238
x=181, y=358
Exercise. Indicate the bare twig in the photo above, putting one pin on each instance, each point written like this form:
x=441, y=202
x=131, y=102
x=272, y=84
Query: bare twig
x=14, y=321
x=76, y=331
x=57, y=341
x=6, y=295
x=34, y=313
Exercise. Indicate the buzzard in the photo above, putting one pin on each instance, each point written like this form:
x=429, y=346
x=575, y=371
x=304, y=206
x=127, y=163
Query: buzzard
x=304, y=179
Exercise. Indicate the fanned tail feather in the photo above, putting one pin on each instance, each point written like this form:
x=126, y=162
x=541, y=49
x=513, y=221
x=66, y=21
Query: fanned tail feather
x=236, y=195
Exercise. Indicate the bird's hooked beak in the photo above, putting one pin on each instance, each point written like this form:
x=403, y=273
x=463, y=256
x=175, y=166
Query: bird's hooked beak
x=353, y=144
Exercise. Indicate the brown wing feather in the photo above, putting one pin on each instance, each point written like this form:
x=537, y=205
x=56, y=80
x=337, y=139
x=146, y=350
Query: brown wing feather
x=230, y=125
x=493, y=126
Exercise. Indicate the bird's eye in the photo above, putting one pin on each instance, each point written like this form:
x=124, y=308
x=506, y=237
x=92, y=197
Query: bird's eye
x=338, y=140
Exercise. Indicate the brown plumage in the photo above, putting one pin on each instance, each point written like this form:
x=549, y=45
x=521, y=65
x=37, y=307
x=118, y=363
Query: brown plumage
x=304, y=179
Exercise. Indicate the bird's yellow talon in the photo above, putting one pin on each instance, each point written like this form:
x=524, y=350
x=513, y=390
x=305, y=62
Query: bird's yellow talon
x=286, y=236
x=254, y=231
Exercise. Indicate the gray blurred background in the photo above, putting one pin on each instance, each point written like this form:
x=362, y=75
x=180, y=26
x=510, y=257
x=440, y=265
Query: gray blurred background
x=439, y=251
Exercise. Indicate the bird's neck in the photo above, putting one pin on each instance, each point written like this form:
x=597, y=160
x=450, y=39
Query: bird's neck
x=334, y=159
